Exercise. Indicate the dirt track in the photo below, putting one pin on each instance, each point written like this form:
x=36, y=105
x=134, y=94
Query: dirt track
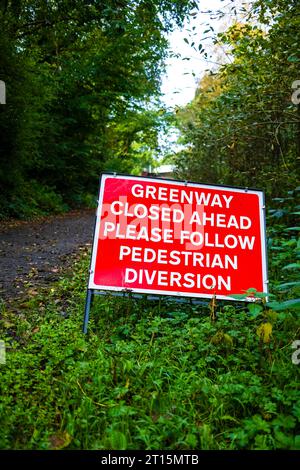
x=36, y=252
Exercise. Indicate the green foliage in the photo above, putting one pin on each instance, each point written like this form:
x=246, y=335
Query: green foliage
x=82, y=84
x=284, y=247
x=149, y=375
x=33, y=199
x=242, y=127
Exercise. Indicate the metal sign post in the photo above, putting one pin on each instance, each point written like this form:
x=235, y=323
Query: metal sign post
x=88, y=303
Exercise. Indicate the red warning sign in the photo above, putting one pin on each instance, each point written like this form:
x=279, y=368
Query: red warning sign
x=177, y=238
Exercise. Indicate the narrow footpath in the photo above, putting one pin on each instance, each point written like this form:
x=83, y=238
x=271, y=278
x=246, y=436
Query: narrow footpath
x=36, y=253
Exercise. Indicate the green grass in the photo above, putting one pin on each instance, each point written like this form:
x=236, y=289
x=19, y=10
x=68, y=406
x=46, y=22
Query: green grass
x=149, y=375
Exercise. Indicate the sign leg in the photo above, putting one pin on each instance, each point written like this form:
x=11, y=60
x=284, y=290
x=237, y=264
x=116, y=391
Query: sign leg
x=88, y=303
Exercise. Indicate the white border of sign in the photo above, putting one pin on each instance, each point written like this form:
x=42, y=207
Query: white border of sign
x=104, y=176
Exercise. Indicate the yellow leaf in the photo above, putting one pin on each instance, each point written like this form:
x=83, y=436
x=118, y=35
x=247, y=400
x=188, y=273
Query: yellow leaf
x=228, y=339
x=264, y=331
x=60, y=440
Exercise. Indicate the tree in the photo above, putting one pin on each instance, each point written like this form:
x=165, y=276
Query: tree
x=242, y=127
x=76, y=70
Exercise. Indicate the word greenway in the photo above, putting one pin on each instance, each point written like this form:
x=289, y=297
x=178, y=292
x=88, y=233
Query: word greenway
x=162, y=193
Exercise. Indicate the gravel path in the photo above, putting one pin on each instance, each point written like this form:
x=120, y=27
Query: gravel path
x=35, y=252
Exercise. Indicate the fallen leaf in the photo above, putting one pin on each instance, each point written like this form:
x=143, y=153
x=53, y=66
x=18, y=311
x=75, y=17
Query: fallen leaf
x=60, y=440
x=264, y=332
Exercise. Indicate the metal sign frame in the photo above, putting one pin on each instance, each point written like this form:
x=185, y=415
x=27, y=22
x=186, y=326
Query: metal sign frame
x=93, y=289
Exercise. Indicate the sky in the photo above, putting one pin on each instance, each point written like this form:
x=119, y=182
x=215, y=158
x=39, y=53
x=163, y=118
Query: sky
x=180, y=81
x=179, y=84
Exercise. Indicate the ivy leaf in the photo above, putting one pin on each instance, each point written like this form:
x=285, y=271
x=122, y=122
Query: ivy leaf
x=255, y=309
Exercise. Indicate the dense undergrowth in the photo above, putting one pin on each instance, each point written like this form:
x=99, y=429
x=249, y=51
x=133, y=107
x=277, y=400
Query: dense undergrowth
x=155, y=374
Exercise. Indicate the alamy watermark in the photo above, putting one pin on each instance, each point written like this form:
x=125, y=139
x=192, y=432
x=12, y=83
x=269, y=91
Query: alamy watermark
x=2, y=92
x=296, y=354
x=2, y=352
x=296, y=94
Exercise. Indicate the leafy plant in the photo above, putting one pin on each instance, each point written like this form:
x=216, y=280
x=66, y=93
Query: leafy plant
x=148, y=375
